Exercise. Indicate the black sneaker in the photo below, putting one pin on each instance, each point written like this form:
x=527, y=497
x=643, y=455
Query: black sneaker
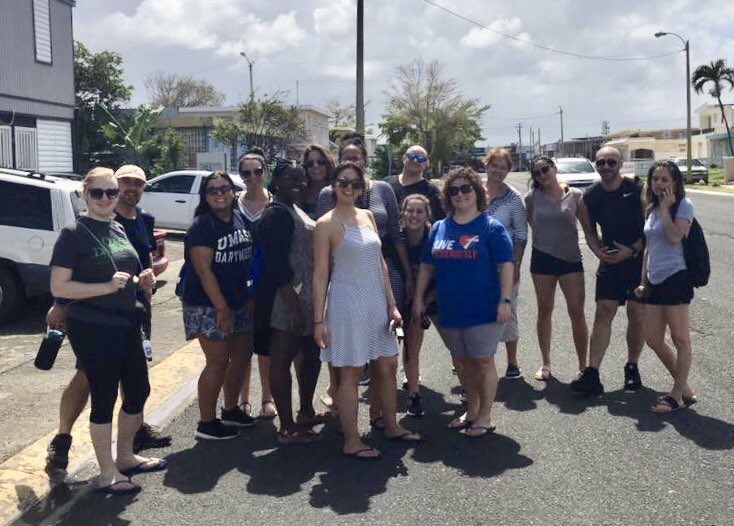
x=513, y=372
x=215, y=430
x=415, y=408
x=150, y=437
x=58, y=452
x=237, y=418
x=365, y=379
x=632, y=380
x=588, y=383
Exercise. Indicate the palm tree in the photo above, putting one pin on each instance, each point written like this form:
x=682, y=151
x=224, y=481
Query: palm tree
x=718, y=74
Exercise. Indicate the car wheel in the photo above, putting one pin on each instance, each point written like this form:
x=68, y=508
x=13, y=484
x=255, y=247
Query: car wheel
x=11, y=295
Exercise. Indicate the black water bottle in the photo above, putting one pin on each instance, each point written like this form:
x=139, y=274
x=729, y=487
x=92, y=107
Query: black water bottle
x=49, y=349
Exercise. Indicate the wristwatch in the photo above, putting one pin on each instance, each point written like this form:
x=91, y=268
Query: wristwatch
x=506, y=300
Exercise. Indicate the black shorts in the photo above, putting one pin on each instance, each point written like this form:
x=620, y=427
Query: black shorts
x=547, y=265
x=676, y=290
x=618, y=282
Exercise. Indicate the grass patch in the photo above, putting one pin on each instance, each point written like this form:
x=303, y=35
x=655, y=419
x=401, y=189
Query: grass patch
x=716, y=182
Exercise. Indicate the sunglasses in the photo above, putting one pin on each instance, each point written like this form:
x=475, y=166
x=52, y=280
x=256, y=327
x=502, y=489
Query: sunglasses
x=257, y=172
x=464, y=189
x=98, y=193
x=314, y=164
x=356, y=184
x=218, y=190
x=611, y=162
x=415, y=157
x=542, y=170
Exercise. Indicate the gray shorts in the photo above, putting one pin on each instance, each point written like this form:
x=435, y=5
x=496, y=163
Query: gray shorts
x=511, y=332
x=478, y=341
x=202, y=320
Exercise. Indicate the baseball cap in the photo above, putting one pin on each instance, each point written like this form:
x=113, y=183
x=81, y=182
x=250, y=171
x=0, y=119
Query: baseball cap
x=132, y=171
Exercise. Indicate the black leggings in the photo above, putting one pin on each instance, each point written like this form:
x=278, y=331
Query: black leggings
x=110, y=356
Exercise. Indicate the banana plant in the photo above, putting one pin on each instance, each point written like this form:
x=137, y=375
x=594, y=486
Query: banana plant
x=133, y=136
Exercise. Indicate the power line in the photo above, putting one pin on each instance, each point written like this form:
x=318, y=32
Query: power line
x=546, y=48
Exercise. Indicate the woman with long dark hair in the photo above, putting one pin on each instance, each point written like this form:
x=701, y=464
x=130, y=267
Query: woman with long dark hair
x=318, y=163
x=217, y=307
x=665, y=284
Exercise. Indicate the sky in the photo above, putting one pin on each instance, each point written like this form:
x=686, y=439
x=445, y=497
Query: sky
x=313, y=42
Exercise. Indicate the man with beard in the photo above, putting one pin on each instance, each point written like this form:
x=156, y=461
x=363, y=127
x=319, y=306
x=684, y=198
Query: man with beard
x=138, y=226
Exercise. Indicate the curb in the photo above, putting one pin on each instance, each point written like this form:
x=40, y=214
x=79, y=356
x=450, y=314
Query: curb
x=23, y=478
x=708, y=192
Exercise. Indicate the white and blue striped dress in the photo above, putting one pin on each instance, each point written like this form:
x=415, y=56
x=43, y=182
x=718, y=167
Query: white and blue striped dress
x=356, y=310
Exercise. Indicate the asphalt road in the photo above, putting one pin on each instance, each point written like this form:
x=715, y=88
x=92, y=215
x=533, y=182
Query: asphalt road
x=555, y=458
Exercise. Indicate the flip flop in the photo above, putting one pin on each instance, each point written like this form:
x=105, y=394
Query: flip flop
x=485, y=431
x=270, y=414
x=543, y=374
x=110, y=489
x=328, y=401
x=458, y=423
x=409, y=437
x=160, y=465
x=359, y=454
x=666, y=404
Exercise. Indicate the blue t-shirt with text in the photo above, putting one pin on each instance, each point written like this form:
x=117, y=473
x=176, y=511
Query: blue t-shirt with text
x=465, y=260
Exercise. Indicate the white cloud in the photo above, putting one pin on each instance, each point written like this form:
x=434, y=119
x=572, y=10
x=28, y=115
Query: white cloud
x=265, y=38
x=478, y=38
x=338, y=18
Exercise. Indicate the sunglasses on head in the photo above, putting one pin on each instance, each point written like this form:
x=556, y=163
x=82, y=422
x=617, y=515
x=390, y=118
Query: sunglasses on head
x=98, y=193
x=356, y=184
x=543, y=169
x=464, y=189
x=314, y=164
x=415, y=157
x=218, y=190
x=257, y=172
x=609, y=161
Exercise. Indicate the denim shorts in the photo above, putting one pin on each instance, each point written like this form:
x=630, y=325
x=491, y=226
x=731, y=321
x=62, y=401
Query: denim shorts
x=201, y=320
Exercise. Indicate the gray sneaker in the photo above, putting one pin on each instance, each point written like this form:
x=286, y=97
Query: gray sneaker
x=513, y=372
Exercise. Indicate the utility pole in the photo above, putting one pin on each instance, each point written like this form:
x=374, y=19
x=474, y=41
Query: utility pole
x=532, y=143
x=360, y=66
x=540, y=147
x=250, y=63
x=519, y=146
x=297, y=94
x=560, y=109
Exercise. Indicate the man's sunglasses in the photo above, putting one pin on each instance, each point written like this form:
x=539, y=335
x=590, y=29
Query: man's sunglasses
x=218, y=190
x=611, y=162
x=543, y=169
x=314, y=164
x=98, y=193
x=257, y=172
x=464, y=189
x=415, y=157
x=356, y=184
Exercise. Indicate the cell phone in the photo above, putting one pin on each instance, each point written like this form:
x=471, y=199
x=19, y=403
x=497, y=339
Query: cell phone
x=399, y=333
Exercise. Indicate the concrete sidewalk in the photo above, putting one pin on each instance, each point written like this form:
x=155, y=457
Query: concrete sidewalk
x=23, y=477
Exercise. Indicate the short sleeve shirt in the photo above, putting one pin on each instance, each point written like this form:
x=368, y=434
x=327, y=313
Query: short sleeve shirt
x=618, y=213
x=93, y=256
x=233, y=248
x=465, y=260
x=663, y=257
x=140, y=236
x=422, y=187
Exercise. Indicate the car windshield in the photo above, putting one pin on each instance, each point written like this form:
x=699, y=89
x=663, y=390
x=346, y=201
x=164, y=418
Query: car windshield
x=77, y=202
x=574, y=167
x=694, y=162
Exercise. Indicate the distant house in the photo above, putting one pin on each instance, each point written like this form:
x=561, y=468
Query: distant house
x=36, y=85
x=709, y=116
x=202, y=151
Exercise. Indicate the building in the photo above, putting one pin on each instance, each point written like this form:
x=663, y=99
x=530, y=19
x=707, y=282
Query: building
x=36, y=85
x=709, y=116
x=576, y=147
x=202, y=151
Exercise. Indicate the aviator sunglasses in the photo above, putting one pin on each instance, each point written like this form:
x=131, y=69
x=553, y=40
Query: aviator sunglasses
x=464, y=189
x=356, y=184
x=415, y=157
x=97, y=193
x=218, y=190
x=314, y=164
x=611, y=162
x=246, y=174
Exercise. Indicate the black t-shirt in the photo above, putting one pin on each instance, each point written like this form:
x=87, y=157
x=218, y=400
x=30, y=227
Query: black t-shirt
x=95, y=261
x=618, y=213
x=422, y=187
x=140, y=233
x=232, y=245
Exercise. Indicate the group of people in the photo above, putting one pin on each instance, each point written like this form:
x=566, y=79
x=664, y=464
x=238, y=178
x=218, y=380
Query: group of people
x=316, y=262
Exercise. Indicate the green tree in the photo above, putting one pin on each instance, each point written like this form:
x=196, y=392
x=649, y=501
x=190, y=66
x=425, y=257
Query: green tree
x=174, y=90
x=165, y=152
x=98, y=80
x=267, y=123
x=718, y=75
x=388, y=160
x=427, y=109
x=133, y=136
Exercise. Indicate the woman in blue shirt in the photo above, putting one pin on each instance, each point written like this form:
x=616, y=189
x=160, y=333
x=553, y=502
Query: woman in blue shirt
x=469, y=255
x=665, y=282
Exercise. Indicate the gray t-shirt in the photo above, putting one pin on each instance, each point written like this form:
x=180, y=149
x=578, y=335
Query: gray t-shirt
x=663, y=257
x=555, y=230
x=91, y=261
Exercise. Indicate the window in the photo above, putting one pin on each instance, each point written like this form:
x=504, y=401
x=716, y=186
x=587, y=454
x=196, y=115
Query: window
x=42, y=30
x=6, y=147
x=26, y=148
x=26, y=206
x=177, y=184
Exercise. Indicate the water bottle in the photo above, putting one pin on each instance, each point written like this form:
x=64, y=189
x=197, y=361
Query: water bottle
x=148, y=350
x=49, y=348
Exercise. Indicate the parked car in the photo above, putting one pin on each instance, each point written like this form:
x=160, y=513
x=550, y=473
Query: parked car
x=172, y=197
x=35, y=208
x=699, y=172
x=577, y=172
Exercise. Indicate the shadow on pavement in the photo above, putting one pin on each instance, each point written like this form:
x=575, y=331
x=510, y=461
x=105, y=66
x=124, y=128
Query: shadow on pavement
x=517, y=395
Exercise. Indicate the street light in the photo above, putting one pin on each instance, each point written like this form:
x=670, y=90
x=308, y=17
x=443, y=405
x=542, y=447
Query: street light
x=250, y=63
x=686, y=48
